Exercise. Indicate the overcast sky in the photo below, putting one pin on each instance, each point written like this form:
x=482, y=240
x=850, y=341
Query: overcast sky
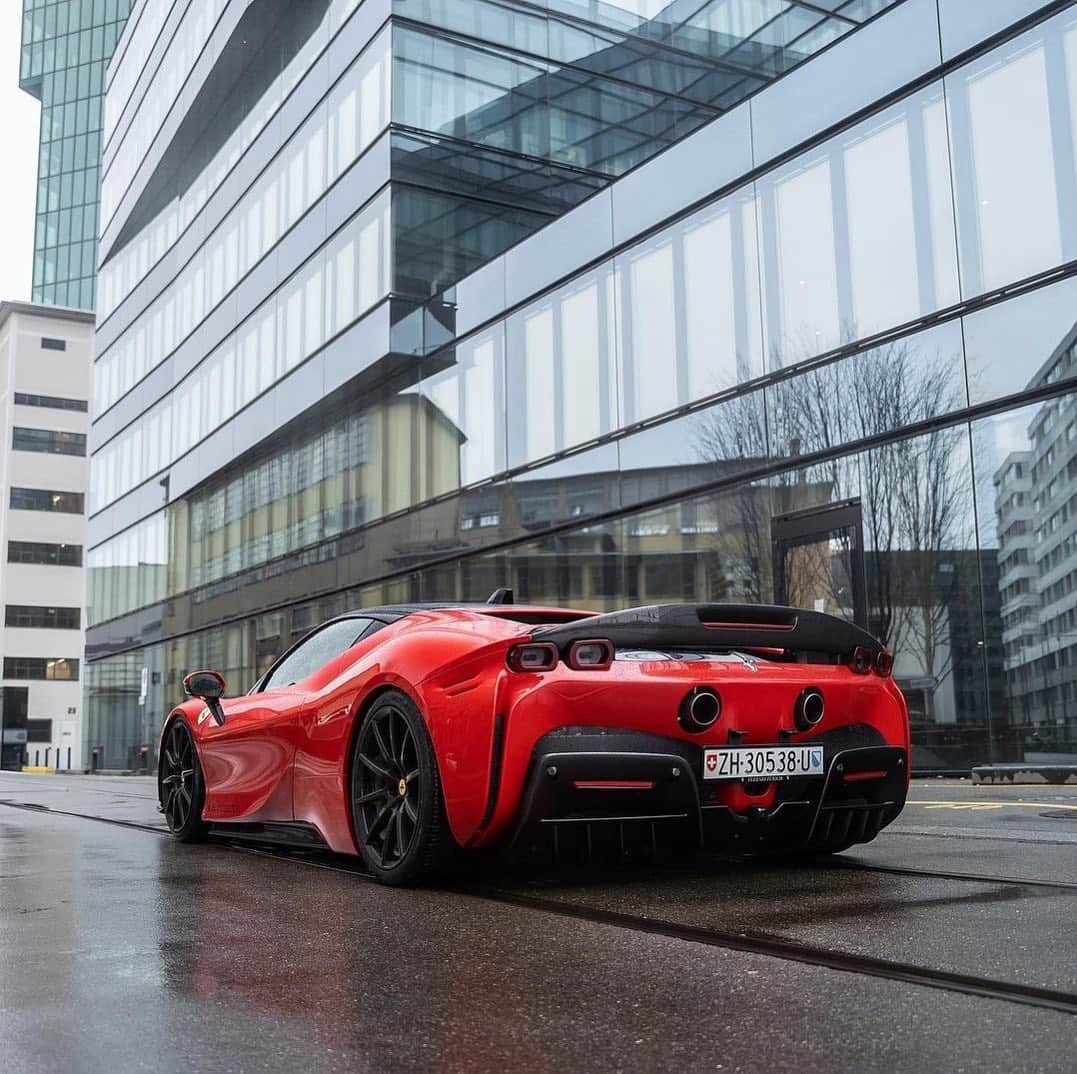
x=19, y=114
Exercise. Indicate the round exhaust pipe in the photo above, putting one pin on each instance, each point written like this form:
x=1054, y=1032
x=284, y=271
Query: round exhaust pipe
x=809, y=709
x=699, y=710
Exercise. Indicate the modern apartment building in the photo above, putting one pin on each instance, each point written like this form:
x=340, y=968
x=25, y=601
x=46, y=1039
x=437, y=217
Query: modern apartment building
x=44, y=421
x=612, y=303
x=1036, y=515
x=66, y=46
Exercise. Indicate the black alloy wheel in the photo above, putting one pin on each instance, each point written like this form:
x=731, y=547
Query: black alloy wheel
x=180, y=786
x=396, y=793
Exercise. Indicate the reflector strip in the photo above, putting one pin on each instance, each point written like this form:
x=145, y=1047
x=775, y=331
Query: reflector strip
x=856, y=777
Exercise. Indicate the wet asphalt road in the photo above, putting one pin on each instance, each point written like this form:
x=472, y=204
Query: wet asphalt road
x=120, y=950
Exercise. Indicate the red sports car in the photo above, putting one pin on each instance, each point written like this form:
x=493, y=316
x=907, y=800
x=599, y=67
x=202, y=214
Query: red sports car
x=405, y=733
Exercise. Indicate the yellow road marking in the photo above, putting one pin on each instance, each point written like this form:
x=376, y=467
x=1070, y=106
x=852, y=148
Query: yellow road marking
x=992, y=805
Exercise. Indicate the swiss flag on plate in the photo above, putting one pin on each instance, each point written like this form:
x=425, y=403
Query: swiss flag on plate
x=712, y=761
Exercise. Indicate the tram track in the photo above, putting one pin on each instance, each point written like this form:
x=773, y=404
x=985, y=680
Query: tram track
x=742, y=941
x=839, y=865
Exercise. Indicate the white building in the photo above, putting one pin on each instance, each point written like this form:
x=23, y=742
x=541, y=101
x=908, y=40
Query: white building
x=45, y=359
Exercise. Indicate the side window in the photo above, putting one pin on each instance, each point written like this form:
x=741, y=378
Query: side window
x=315, y=651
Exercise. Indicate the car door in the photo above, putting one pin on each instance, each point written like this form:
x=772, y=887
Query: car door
x=248, y=760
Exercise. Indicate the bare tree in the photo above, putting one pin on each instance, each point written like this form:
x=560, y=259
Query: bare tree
x=914, y=491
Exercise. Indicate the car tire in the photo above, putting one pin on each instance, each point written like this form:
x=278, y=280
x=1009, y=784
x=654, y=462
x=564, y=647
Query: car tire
x=181, y=788
x=397, y=808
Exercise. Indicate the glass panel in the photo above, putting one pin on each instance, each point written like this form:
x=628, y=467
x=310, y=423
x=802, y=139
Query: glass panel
x=819, y=574
x=858, y=235
x=530, y=106
x=1023, y=343
x=437, y=238
x=911, y=380
x=574, y=488
x=689, y=307
x=465, y=419
x=561, y=377
x=1011, y=117
x=1026, y=473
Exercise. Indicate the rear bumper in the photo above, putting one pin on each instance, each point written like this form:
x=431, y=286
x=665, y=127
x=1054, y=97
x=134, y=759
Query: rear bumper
x=633, y=790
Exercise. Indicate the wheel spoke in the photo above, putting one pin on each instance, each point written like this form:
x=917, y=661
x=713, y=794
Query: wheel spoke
x=411, y=811
x=390, y=847
x=391, y=721
x=372, y=796
x=405, y=748
x=374, y=767
x=179, y=813
x=379, y=822
x=411, y=776
x=385, y=748
x=401, y=842
x=170, y=759
x=397, y=724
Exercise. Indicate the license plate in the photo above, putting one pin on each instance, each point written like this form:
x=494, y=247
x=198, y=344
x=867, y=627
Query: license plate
x=762, y=762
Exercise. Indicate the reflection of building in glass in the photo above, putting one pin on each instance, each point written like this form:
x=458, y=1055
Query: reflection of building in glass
x=501, y=293
x=1036, y=516
x=66, y=48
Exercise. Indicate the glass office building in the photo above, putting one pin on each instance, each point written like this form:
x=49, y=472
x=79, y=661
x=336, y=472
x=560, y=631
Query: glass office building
x=66, y=47
x=613, y=303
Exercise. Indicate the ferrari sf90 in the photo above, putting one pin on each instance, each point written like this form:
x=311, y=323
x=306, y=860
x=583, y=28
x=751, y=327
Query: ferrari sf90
x=408, y=734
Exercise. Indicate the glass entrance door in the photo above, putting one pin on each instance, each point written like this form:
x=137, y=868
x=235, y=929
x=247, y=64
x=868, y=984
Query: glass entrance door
x=819, y=560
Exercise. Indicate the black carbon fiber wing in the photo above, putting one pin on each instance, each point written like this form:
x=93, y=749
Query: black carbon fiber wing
x=716, y=627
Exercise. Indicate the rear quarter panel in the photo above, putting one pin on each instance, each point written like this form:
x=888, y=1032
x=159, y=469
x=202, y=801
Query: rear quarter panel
x=451, y=668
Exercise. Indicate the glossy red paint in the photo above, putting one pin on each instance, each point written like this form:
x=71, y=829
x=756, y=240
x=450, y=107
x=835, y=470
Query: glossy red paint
x=284, y=754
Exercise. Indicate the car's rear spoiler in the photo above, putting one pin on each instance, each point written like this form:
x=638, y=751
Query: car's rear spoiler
x=794, y=632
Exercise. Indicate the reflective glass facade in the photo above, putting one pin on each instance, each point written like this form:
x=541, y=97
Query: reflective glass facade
x=839, y=375
x=66, y=47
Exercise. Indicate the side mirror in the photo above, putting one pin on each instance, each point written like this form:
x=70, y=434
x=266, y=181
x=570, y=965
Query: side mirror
x=209, y=686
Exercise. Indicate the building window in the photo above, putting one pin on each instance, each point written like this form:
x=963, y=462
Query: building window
x=39, y=730
x=49, y=344
x=68, y=503
x=59, y=555
x=53, y=402
x=51, y=668
x=48, y=440
x=31, y=615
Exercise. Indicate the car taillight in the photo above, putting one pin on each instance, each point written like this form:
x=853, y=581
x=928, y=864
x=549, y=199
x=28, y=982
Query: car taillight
x=595, y=655
x=884, y=662
x=532, y=656
x=862, y=660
